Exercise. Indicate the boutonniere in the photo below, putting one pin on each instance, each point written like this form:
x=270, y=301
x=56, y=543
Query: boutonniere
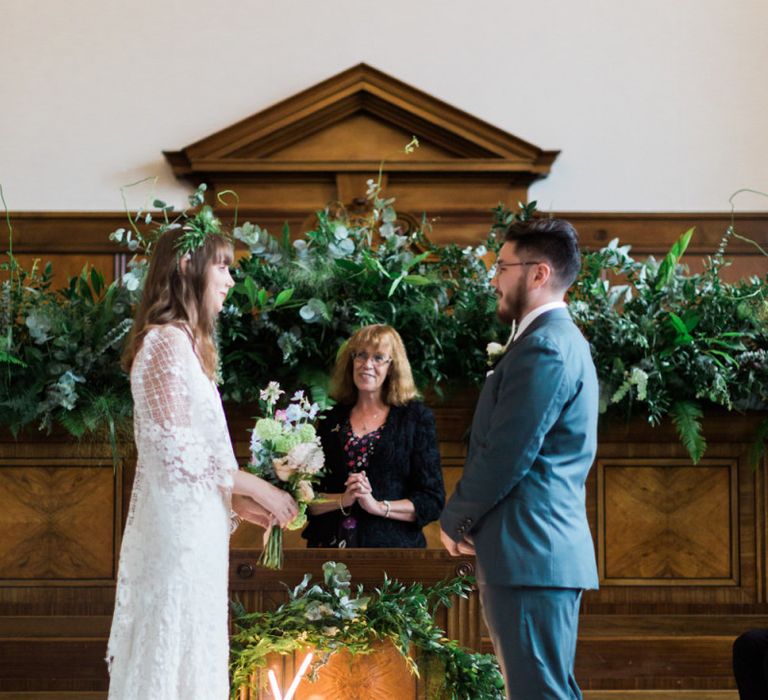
x=495, y=351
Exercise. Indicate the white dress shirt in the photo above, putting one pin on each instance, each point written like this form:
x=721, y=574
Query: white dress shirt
x=534, y=314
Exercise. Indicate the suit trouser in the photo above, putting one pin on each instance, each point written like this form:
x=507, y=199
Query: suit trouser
x=750, y=664
x=534, y=631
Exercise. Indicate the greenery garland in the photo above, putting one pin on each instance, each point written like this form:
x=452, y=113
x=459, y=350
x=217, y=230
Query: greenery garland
x=330, y=617
x=666, y=343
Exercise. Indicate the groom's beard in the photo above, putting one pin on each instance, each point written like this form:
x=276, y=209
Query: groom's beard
x=511, y=307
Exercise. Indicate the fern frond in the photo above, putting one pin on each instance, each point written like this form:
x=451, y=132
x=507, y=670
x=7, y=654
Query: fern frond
x=686, y=415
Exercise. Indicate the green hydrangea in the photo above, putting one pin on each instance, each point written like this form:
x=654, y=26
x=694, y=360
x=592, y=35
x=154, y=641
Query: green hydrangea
x=284, y=443
x=269, y=429
x=306, y=432
x=300, y=520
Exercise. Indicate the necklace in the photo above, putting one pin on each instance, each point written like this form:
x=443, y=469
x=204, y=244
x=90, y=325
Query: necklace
x=372, y=420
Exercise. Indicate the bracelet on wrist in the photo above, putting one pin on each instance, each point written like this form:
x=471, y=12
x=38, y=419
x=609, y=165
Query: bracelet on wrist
x=388, y=507
x=341, y=505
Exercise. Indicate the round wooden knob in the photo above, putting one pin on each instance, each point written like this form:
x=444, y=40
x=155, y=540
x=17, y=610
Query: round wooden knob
x=466, y=568
x=245, y=570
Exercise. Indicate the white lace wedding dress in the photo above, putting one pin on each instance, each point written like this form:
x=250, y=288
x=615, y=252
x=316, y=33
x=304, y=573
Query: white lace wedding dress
x=169, y=636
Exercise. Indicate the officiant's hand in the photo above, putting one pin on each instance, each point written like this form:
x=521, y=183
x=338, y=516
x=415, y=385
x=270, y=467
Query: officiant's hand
x=358, y=484
x=251, y=511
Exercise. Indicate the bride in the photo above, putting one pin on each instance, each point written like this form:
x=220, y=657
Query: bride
x=169, y=632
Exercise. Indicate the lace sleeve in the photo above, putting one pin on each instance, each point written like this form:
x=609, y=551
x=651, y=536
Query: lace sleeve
x=182, y=425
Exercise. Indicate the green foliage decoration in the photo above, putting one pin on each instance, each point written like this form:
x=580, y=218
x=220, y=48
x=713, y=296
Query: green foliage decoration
x=331, y=616
x=59, y=352
x=667, y=342
x=303, y=298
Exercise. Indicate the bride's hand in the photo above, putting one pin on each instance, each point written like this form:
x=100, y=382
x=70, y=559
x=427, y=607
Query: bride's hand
x=276, y=501
x=251, y=511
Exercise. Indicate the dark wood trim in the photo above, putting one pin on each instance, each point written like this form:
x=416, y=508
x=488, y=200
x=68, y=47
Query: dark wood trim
x=47, y=232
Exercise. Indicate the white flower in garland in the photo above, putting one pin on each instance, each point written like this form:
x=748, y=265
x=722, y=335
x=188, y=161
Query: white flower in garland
x=637, y=378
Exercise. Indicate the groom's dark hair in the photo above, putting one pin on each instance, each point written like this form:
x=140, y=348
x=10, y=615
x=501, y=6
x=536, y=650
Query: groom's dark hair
x=552, y=240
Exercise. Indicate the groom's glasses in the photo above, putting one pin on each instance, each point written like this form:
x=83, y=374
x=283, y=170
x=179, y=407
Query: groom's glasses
x=500, y=267
x=378, y=359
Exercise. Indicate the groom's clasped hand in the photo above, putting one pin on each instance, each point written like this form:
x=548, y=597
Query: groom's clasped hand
x=464, y=547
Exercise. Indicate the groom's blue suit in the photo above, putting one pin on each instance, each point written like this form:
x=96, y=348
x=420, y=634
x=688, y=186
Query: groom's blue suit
x=521, y=499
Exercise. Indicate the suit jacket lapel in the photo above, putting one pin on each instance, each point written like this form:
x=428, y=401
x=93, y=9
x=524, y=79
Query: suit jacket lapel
x=558, y=314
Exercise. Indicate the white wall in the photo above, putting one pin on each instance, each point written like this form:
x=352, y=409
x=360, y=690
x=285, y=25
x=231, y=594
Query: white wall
x=658, y=105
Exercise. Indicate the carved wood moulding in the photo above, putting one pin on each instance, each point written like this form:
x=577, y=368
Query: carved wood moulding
x=323, y=144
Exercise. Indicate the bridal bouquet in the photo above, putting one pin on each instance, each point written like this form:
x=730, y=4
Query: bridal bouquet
x=286, y=452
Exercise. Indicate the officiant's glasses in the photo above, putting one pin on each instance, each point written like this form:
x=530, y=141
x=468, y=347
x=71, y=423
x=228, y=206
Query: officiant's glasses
x=378, y=359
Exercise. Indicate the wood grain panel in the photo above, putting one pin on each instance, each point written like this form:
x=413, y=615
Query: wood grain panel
x=58, y=520
x=381, y=676
x=648, y=233
x=52, y=664
x=66, y=265
x=618, y=624
x=665, y=521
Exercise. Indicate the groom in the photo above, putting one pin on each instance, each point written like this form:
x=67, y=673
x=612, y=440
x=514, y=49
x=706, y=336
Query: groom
x=520, y=500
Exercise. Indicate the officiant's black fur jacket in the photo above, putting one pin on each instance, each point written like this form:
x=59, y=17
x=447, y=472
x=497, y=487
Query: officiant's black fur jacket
x=405, y=464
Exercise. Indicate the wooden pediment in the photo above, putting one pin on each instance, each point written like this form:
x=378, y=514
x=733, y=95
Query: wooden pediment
x=323, y=143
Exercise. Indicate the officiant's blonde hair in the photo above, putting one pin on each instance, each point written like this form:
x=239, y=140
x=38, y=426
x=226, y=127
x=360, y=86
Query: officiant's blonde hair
x=398, y=388
x=176, y=293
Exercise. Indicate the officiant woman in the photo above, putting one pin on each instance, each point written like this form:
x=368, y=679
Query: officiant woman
x=383, y=482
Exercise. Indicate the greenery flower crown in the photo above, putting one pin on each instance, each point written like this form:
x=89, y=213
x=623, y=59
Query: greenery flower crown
x=196, y=228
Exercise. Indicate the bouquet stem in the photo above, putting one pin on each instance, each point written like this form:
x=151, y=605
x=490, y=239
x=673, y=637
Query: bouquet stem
x=272, y=554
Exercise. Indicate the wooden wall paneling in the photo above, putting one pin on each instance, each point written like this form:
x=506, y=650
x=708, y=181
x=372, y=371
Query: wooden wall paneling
x=61, y=516
x=54, y=522
x=667, y=522
x=72, y=239
x=626, y=629
x=65, y=265
x=648, y=233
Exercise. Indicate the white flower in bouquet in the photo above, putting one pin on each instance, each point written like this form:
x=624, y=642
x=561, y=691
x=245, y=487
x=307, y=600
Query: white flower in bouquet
x=308, y=457
x=286, y=452
x=271, y=394
x=304, y=492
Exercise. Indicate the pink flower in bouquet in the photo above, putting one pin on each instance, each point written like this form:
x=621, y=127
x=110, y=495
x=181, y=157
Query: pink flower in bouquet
x=284, y=467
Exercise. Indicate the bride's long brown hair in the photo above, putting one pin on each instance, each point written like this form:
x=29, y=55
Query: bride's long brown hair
x=177, y=294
